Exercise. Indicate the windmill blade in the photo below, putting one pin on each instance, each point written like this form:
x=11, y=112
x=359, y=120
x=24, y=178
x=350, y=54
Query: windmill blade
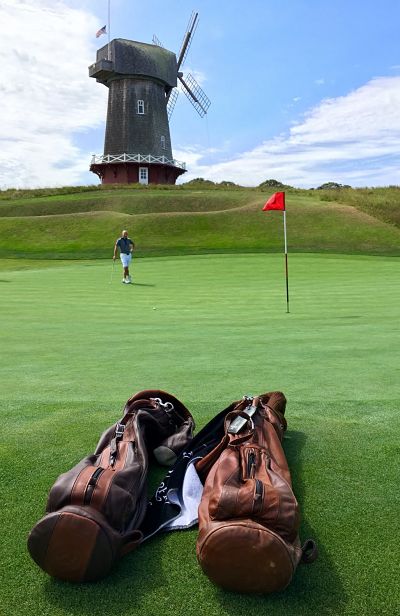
x=187, y=39
x=173, y=95
x=195, y=94
x=156, y=41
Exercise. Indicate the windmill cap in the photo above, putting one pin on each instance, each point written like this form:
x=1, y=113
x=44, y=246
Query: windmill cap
x=135, y=58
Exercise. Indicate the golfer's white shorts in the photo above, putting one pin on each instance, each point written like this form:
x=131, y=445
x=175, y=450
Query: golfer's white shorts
x=125, y=259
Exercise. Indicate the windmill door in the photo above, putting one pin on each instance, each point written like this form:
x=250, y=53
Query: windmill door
x=143, y=175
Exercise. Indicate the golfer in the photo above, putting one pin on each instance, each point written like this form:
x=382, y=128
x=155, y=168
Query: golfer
x=125, y=246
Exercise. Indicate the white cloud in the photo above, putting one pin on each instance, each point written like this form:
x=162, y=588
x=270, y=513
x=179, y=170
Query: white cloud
x=352, y=139
x=199, y=76
x=46, y=93
x=49, y=103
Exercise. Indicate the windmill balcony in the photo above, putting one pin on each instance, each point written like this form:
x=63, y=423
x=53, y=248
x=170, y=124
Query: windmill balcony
x=101, y=70
x=136, y=158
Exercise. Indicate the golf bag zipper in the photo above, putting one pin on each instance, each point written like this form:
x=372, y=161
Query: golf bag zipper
x=258, y=484
x=251, y=464
x=91, y=485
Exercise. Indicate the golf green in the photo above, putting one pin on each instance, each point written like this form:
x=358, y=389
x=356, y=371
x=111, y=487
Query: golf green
x=76, y=343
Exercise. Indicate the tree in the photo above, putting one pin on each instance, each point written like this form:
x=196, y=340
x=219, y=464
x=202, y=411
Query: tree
x=332, y=186
x=272, y=184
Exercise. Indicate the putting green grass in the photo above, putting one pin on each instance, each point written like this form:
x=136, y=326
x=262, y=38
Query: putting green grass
x=75, y=344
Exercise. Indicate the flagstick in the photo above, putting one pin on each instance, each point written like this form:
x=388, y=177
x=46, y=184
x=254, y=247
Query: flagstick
x=286, y=262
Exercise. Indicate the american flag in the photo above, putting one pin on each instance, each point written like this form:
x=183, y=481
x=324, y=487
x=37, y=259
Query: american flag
x=102, y=30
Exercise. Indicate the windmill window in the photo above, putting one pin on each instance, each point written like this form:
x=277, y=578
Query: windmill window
x=163, y=142
x=140, y=107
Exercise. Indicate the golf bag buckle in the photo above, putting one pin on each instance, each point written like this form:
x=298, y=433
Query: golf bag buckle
x=167, y=406
x=247, y=398
x=119, y=430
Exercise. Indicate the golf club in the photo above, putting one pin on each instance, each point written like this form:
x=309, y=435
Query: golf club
x=112, y=272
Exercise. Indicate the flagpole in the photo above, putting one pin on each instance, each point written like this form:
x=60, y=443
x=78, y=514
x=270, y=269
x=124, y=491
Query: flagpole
x=286, y=261
x=277, y=202
x=109, y=33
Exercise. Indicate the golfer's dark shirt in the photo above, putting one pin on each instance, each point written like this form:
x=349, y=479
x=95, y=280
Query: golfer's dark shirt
x=124, y=245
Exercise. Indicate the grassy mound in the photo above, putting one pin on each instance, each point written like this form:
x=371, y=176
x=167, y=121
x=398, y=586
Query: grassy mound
x=177, y=220
x=382, y=203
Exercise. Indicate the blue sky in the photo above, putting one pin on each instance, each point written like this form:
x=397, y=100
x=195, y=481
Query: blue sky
x=303, y=91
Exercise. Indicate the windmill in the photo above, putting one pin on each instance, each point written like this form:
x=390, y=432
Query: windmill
x=142, y=80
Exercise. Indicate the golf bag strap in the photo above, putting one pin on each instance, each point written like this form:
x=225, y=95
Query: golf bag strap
x=121, y=425
x=134, y=539
x=309, y=552
x=119, y=433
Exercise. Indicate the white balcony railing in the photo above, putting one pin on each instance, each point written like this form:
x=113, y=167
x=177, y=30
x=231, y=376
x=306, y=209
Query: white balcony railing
x=106, y=159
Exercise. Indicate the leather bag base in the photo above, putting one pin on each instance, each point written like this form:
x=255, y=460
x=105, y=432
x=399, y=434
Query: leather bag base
x=75, y=544
x=244, y=556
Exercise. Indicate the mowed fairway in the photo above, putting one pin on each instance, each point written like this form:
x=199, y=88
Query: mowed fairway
x=75, y=345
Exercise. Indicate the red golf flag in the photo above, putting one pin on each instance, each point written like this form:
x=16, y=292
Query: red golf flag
x=276, y=202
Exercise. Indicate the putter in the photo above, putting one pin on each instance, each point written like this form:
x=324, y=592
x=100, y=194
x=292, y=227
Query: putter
x=112, y=272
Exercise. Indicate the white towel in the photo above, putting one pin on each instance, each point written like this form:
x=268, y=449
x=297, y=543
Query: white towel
x=188, y=500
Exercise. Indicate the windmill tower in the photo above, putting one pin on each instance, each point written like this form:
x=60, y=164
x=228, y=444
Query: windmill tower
x=142, y=81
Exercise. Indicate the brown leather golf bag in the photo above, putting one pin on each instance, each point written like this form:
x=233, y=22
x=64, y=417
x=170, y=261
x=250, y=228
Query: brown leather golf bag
x=94, y=510
x=248, y=515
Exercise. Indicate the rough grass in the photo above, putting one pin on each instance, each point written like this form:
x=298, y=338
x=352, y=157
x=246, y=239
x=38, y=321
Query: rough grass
x=177, y=221
x=382, y=203
x=126, y=202
x=75, y=347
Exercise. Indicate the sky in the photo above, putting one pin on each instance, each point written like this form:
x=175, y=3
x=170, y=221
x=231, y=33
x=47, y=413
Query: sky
x=302, y=91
